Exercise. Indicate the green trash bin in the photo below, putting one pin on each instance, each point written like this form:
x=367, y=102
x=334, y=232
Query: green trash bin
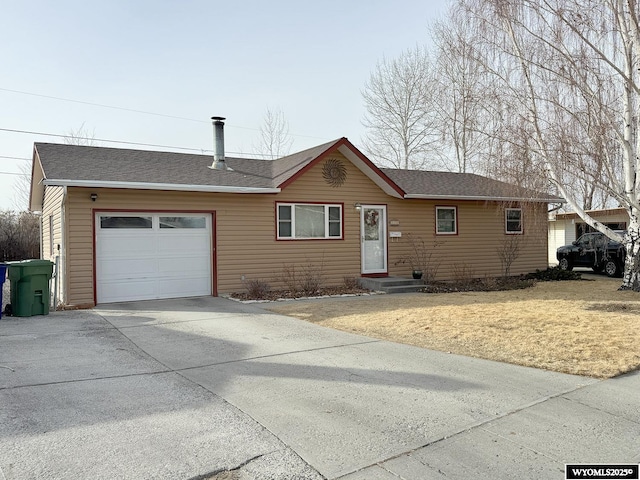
x=30, y=287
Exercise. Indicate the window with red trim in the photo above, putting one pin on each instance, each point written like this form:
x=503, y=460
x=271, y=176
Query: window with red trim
x=309, y=221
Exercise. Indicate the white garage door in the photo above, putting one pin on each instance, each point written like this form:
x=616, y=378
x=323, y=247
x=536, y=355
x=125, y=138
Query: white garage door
x=148, y=256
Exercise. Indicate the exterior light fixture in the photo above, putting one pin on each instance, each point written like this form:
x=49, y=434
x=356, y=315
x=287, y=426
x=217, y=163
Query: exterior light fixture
x=93, y=196
x=357, y=206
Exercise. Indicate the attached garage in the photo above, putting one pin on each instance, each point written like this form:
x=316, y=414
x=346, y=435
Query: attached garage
x=145, y=256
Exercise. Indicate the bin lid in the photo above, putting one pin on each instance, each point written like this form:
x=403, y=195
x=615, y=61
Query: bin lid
x=27, y=268
x=34, y=263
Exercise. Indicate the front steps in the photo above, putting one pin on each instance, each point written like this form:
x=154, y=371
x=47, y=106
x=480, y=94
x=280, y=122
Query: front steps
x=391, y=284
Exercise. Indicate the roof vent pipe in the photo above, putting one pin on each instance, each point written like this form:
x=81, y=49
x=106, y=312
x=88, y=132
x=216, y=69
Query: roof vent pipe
x=218, y=144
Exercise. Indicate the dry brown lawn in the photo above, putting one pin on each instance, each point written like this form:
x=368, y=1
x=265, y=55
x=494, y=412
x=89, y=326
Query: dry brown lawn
x=579, y=327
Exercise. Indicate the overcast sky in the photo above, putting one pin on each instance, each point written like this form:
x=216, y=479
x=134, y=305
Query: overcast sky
x=192, y=59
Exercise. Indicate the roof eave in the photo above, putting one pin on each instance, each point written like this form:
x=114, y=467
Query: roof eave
x=36, y=186
x=158, y=186
x=367, y=167
x=421, y=196
x=357, y=158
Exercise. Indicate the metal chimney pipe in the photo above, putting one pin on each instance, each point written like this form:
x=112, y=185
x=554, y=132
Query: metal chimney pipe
x=218, y=144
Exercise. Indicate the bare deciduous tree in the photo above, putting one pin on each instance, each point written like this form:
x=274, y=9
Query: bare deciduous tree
x=22, y=186
x=464, y=95
x=398, y=120
x=19, y=236
x=275, y=140
x=569, y=69
x=81, y=136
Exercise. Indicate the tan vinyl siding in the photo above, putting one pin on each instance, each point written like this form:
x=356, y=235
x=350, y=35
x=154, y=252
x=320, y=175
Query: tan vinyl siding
x=52, y=209
x=246, y=231
x=51, y=206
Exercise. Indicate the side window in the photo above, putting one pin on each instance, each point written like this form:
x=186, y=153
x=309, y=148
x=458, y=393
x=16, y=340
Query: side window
x=513, y=221
x=446, y=220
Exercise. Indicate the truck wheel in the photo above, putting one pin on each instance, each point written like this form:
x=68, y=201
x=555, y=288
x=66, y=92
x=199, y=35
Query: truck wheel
x=565, y=264
x=611, y=268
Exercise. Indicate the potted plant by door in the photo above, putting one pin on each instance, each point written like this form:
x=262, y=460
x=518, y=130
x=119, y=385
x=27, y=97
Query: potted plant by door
x=416, y=273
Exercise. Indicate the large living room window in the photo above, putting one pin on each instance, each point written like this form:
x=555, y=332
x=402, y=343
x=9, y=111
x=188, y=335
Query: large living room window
x=309, y=221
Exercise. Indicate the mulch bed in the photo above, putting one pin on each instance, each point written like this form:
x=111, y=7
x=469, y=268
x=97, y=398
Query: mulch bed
x=480, y=285
x=472, y=285
x=274, y=295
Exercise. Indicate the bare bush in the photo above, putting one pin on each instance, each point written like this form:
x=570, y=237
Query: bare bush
x=306, y=280
x=508, y=252
x=289, y=277
x=312, y=279
x=257, y=289
x=350, y=283
x=422, y=257
x=463, y=273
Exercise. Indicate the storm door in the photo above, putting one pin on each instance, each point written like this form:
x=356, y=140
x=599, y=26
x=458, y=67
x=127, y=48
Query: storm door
x=373, y=237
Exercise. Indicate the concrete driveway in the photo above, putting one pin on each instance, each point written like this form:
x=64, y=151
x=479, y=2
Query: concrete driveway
x=209, y=388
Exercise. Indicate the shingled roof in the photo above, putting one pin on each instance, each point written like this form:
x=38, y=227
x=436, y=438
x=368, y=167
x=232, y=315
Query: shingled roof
x=103, y=164
x=75, y=165
x=468, y=186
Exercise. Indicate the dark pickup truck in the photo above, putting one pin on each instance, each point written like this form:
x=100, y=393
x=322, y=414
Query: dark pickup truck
x=594, y=250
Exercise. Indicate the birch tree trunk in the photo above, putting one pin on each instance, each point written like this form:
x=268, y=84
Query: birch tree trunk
x=555, y=58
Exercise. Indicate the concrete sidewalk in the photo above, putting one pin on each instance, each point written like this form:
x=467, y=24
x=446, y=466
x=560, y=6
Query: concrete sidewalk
x=190, y=388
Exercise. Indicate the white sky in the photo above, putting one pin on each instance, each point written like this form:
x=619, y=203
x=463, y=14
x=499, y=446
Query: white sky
x=192, y=59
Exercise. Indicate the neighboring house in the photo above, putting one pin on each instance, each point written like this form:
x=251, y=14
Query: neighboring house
x=565, y=228
x=131, y=224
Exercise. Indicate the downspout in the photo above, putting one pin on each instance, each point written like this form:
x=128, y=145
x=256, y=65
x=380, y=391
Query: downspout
x=62, y=251
x=41, y=236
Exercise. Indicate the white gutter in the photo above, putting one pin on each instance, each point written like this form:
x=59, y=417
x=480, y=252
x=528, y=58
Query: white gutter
x=159, y=186
x=480, y=197
x=64, y=290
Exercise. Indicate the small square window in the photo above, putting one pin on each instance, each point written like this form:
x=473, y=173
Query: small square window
x=446, y=220
x=513, y=221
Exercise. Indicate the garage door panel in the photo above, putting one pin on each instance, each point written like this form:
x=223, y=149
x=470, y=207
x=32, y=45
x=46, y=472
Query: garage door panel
x=185, y=243
x=129, y=268
x=185, y=266
x=151, y=263
x=118, y=291
x=174, y=288
x=126, y=245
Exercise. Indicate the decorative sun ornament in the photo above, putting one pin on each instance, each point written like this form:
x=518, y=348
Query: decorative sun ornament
x=334, y=172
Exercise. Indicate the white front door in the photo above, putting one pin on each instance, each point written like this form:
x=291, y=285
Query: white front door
x=373, y=235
